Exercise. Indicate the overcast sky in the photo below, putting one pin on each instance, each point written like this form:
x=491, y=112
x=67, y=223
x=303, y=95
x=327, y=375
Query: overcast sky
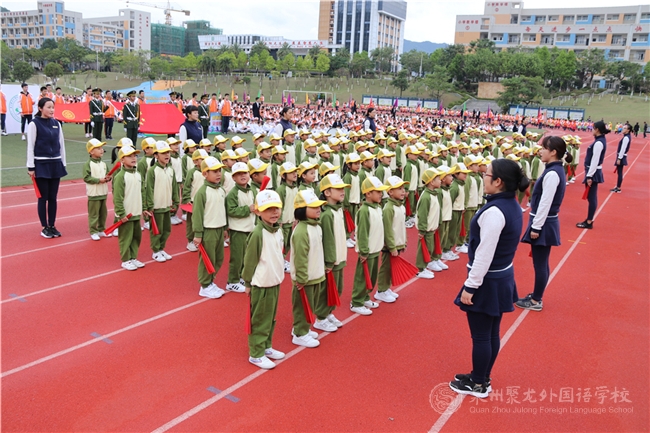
x=298, y=19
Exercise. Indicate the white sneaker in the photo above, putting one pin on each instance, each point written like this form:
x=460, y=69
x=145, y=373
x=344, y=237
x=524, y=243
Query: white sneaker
x=115, y=233
x=209, y=292
x=129, y=266
x=263, y=362
x=361, y=310
x=567, y=182
x=235, y=287
x=523, y=209
x=450, y=256
x=325, y=325
x=176, y=220
x=433, y=266
x=442, y=265
x=225, y=244
x=393, y=294
x=370, y=304
x=191, y=247
x=573, y=180
x=184, y=217
x=287, y=267
x=104, y=235
x=306, y=340
x=165, y=255
x=4, y=133
x=350, y=243
x=218, y=291
x=23, y=137
x=425, y=275
x=273, y=354
x=334, y=321
x=463, y=248
x=94, y=237
x=137, y=263
x=312, y=334
x=384, y=297
x=146, y=225
x=158, y=257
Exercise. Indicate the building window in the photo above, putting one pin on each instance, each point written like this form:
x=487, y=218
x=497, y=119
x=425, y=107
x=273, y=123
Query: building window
x=598, y=19
x=645, y=16
x=582, y=18
x=599, y=38
x=540, y=19
x=612, y=17
x=497, y=37
x=637, y=56
x=564, y=38
x=640, y=38
x=614, y=54
x=514, y=19
x=514, y=39
x=629, y=18
x=568, y=19
x=553, y=18
x=619, y=40
x=525, y=18
x=547, y=40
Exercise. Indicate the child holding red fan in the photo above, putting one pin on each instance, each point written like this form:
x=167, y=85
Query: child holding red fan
x=411, y=175
x=209, y=224
x=128, y=191
x=307, y=265
x=445, y=218
x=353, y=194
x=427, y=220
x=458, y=200
x=287, y=191
x=193, y=182
x=263, y=275
x=394, y=215
x=96, y=179
x=370, y=241
x=334, y=248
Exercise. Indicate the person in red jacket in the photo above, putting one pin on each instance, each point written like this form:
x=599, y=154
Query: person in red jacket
x=26, y=108
x=3, y=113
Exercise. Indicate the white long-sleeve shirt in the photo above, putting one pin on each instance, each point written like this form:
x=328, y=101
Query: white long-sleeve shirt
x=595, y=157
x=492, y=223
x=550, y=184
x=624, y=147
x=31, y=142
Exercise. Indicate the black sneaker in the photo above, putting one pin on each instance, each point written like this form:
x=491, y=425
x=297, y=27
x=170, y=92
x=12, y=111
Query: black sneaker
x=615, y=189
x=467, y=386
x=528, y=304
x=585, y=225
x=55, y=232
x=46, y=233
x=487, y=383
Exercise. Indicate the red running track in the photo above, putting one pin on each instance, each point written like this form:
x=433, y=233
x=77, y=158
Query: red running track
x=168, y=346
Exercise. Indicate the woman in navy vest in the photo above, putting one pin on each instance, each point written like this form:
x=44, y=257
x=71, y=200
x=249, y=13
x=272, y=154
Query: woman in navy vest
x=191, y=129
x=490, y=288
x=46, y=162
x=621, y=156
x=594, y=171
x=543, y=230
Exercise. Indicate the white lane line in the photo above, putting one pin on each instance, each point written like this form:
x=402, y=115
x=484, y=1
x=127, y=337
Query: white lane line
x=439, y=424
x=212, y=400
x=77, y=197
x=58, y=218
x=44, y=248
x=28, y=188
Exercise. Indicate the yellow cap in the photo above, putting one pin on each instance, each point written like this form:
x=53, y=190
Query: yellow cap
x=228, y=154
x=513, y=157
x=429, y=174
x=278, y=150
x=472, y=159
x=326, y=167
x=324, y=149
x=352, y=157
x=391, y=140
x=304, y=132
x=359, y=145
x=241, y=152
x=93, y=144
x=316, y=135
x=305, y=166
x=205, y=143
x=444, y=170
x=309, y=143
x=124, y=142
x=239, y=167
x=258, y=135
x=161, y=147
x=411, y=149
x=147, y=142
x=210, y=163
x=365, y=156
x=256, y=166
x=287, y=167
x=332, y=180
x=263, y=146
x=289, y=131
x=237, y=140
x=274, y=137
x=172, y=140
x=218, y=139
x=395, y=182
x=385, y=153
x=307, y=198
x=199, y=154
x=460, y=168
x=334, y=141
x=390, y=128
x=189, y=143
x=506, y=146
x=267, y=199
x=371, y=183
x=126, y=151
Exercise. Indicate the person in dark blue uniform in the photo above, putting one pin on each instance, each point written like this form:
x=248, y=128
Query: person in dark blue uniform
x=594, y=171
x=191, y=129
x=490, y=288
x=543, y=230
x=621, y=156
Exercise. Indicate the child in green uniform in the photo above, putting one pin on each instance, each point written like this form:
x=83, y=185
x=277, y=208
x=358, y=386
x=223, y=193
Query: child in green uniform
x=307, y=263
x=209, y=224
x=352, y=199
x=161, y=198
x=394, y=216
x=193, y=182
x=370, y=241
x=228, y=159
x=128, y=190
x=279, y=155
x=310, y=156
x=335, y=251
x=262, y=276
x=186, y=161
x=147, y=145
x=94, y=174
x=445, y=217
x=473, y=192
x=206, y=145
x=458, y=200
x=241, y=221
x=257, y=170
x=411, y=175
x=287, y=191
x=427, y=220
x=307, y=177
x=367, y=165
x=219, y=144
x=176, y=163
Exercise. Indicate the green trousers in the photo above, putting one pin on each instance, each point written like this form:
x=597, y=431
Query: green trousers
x=286, y=232
x=132, y=133
x=359, y=292
x=454, y=228
x=97, y=214
x=237, y=251
x=429, y=239
x=385, y=278
x=412, y=202
x=97, y=131
x=300, y=324
x=467, y=220
x=444, y=235
x=321, y=309
x=189, y=228
x=352, y=208
x=129, y=236
x=213, y=243
x=264, y=307
x=163, y=221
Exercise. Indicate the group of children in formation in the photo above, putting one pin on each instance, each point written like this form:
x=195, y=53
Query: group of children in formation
x=324, y=194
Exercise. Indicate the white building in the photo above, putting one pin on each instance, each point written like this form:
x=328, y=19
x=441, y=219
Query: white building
x=131, y=30
x=246, y=42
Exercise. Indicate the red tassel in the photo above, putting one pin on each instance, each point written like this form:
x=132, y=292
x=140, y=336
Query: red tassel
x=530, y=253
x=116, y=225
x=333, y=299
x=366, y=272
x=568, y=171
x=586, y=193
x=407, y=204
x=615, y=168
x=154, y=226
x=249, y=328
x=438, y=248
x=309, y=316
x=265, y=183
x=117, y=165
x=527, y=192
x=425, y=251
x=401, y=270
x=463, y=233
x=349, y=222
x=36, y=190
x=187, y=207
x=206, y=260
x=417, y=196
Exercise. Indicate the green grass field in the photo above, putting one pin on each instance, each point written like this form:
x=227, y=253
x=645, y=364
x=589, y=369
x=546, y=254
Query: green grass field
x=632, y=109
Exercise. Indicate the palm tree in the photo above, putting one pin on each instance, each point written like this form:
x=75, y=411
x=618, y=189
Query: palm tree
x=284, y=50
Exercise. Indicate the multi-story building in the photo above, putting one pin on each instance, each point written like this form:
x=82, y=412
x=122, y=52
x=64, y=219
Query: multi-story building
x=180, y=40
x=28, y=29
x=363, y=25
x=194, y=29
x=273, y=43
x=621, y=31
x=130, y=30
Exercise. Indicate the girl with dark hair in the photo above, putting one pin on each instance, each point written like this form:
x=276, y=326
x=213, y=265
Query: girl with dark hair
x=490, y=288
x=594, y=171
x=543, y=230
x=46, y=162
x=191, y=128
x=621, y=156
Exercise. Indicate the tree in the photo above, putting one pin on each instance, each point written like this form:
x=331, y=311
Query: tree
x=322, y=63
x=481, y=44
x=258, y=48
x=413, y=59
x=309, y=62
x=6, y=71
x=341, y=60
x=447, y=55
x=438, y=82
x=207, y=62
x=242, y=61
x=49, y=44
x=590, y=62
x=269, y=64
x=284, y=50
x=520, y=91
x=22, y=71
x=401, y=81
x=254, y=62
x=54, y=71
x=159, y=67
x=383, y=58
x=313, y=52
x=288, y=62
x=227, y=62
x=360, y=64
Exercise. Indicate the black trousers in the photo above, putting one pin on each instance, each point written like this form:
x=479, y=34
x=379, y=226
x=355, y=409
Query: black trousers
x=541, y=255
x=592, y=197
x=24, y=120
x=619, y=173
x=88, y=129
x=49, y=189
x=225, y=123
x=486, y=343
x=205, y=130
x=3, y=127
x=108, y=127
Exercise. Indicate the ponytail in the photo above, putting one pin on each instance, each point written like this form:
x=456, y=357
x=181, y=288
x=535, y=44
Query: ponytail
x=557, y=144
x=568, y=157
x=511, y=174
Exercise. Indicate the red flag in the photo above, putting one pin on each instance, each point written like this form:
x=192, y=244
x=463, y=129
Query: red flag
x=463, y=233
x=36, y=190
x=160, y=119
x=366, y=272
x=309, y=316
x=114, y=169
x=116, y=225
x=265, y=183
x=425, y=251
x=154, y=226
x=76, y=113
x=187, y=207
x=438, y=247
x=333, y=299
x=206, y=260
x=349, y=222
x=249, y=328
x=401, y=270
x=586, y=193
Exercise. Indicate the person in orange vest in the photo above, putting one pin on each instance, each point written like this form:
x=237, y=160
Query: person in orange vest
x=3, y=113
x=49, y=92
x=26, y=108
x=214, y=103
x=109, y=115
x=226, y=113
x=58, y=97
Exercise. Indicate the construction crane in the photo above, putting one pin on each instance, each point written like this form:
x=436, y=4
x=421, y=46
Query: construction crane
x=168, y=10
